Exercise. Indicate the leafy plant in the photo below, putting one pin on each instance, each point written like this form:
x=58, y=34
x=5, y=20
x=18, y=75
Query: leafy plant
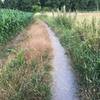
x=11, y=22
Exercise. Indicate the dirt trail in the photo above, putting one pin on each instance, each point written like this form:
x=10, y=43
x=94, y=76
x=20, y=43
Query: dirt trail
x=34, y=40
x=37, y=40
x=42, y=39
x=64, y=85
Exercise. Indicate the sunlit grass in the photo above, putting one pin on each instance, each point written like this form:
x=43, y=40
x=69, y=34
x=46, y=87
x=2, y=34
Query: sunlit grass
x=21, y=80
x=81, y=39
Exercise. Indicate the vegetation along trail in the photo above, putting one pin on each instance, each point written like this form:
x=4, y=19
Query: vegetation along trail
x=49, y=49
x=41, y=45
x=63, y=80
x=28, y=66
x=64, y=86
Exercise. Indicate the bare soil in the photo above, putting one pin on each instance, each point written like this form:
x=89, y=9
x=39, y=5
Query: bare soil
x=34, y=41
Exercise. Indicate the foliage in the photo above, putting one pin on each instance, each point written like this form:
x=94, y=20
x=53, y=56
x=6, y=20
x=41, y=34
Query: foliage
x=71, y=5
x=10, y=4
x=0, y=4
x=21, y=80
x=83, y=42
x=25, y=5
x=12, y=21
x=36, y=8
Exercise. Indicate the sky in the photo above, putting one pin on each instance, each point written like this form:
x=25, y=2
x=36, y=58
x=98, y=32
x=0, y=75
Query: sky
x=2, y=0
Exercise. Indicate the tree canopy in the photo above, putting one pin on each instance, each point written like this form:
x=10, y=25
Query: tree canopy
x=72, y=5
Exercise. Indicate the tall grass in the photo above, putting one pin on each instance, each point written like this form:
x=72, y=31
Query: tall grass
x=11, y=22
x=82, y=40
x=20, y=77
x=21, y=80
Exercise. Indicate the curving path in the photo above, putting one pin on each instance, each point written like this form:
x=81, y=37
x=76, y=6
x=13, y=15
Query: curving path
x=64, y=86
x=37, y=39
x=40, y=39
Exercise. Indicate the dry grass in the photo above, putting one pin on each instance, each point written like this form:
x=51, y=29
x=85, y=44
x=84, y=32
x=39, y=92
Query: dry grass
x=34, y=41
x=25, y=75
x=38, y=41
x=83, y=42
x=80, y=15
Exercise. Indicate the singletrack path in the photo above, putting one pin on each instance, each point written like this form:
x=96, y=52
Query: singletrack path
x=64, y=85
x=63, y=80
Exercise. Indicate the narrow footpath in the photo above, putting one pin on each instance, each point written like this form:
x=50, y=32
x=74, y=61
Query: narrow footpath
x=64, y=85
x=40, y=39
x=63, y=80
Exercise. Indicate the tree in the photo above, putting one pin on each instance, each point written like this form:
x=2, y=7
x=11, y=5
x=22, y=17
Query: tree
x=97, y=4
x=54, y=4
x=25, y=5
x=42, y=2
x=1, y=4
x=72, y=5
x=10, y=4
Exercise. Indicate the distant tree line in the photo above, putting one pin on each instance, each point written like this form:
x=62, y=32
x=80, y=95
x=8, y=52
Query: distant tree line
x=72, y=5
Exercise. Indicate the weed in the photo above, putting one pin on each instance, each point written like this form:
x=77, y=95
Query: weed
x=83, y=42
x=25, y=81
